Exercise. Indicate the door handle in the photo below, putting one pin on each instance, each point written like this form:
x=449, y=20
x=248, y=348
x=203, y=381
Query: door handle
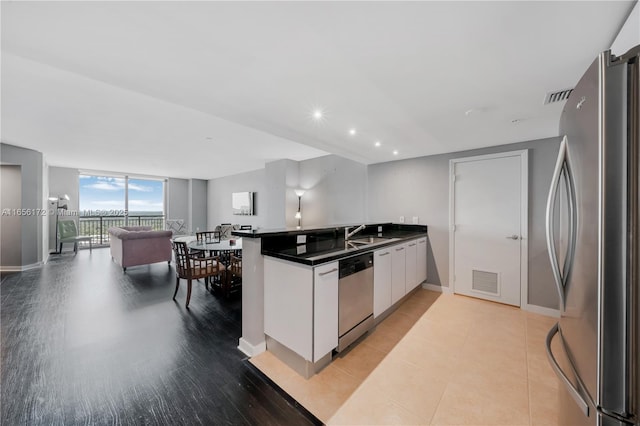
x=328, y=272
x=512, y=237
x=584, y=407
x=562, y=169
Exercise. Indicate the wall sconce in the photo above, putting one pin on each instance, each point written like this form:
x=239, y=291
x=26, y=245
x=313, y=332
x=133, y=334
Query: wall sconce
x=57, y=200
x=299, y=193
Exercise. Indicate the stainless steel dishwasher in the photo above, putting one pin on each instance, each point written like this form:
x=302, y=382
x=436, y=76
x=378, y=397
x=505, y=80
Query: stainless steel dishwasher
x=355, y=298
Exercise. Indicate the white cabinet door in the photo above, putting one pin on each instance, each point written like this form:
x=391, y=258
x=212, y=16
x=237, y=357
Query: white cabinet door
x=325, y=309
x=381, y=280
x=422, y=260
x=412, y=276
x=398, y=272
x=288, y=305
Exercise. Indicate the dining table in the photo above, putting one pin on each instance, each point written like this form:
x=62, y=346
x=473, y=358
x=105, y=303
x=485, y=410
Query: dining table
x=223, y=249
x=222, y=246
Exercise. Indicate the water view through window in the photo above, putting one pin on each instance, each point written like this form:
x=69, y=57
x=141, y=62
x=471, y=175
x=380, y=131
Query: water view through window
x=107, y=201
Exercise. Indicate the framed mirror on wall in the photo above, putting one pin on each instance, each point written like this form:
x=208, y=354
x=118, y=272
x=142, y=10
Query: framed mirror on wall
x=242, y=203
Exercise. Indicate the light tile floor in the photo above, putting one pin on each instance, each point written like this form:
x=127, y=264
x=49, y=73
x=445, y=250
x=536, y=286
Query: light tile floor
x=439, y=359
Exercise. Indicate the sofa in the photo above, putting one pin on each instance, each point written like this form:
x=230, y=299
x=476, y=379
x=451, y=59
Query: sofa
x=139, y=245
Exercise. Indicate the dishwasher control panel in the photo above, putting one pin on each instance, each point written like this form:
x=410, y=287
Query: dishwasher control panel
x=355, y=264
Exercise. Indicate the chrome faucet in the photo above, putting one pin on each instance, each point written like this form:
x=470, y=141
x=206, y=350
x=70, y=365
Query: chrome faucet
x=348, y=234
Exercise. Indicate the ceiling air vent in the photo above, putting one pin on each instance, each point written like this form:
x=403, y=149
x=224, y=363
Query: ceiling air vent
x=558, y=96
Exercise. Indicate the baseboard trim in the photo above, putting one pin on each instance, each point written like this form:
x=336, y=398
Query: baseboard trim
x=438, y=288
x=21, y=268
x=555, y=313
x=249, y=349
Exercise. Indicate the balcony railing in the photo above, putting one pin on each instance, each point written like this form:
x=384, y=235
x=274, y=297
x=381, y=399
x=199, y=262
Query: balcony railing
x=97, y=226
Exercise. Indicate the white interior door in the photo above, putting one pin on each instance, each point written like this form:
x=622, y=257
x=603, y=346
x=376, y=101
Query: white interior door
x=489, y=209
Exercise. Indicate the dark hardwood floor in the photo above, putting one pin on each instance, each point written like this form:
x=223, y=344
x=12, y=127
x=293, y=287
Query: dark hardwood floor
x=83, y=343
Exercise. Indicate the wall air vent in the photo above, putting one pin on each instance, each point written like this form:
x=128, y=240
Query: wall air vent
x=557, y=96
x=485, y=282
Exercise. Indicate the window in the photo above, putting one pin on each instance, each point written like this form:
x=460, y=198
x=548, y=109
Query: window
x=102, y=196
x=146, y=199
x=107, y=201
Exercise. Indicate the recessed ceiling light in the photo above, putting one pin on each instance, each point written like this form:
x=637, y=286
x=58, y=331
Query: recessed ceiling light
x=352, y=132
x=317, y=114
x=395, y=152
x=469, y=112
x=377, y=143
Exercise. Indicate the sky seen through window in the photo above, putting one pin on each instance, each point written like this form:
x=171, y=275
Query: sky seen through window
x=105, y=196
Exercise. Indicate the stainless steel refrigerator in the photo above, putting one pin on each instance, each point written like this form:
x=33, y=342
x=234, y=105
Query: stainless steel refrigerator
x=594, y=254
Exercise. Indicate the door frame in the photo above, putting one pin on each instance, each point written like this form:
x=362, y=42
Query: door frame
x=524, y=216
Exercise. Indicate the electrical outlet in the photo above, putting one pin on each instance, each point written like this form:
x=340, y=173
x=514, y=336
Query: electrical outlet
x=415, y=220
x=401, y=219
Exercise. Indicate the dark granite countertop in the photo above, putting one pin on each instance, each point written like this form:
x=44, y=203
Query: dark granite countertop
x=330, y=245
x=260, y=233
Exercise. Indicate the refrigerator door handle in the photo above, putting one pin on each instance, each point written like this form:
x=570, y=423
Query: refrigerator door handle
x=562, y=169
x=573, y=221
x=582, y=404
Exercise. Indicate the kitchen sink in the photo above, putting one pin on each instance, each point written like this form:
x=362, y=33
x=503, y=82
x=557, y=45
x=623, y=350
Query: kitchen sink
x=367, y=241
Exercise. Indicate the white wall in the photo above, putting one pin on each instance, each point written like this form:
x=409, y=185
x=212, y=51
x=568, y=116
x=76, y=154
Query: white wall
x=45, y=219
x=335, y=191
x=178, y=201
x=63, y=181
x=219, y=199
x=281, y=179
x=420, y=187
x=291, y=184
x=629, y=35
x=31, y=166
x=11, y=231
x=198, y=203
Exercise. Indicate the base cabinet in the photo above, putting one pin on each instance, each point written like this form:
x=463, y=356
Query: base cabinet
x=301, y=302
x=398, y=272
x=411, y=267
x=325, y=309
x=301, y=307
x=288, y=305
x=421, y=256
x=381, y=280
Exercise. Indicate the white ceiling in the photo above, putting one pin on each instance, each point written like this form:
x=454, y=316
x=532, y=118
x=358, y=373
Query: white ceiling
x=208, y=89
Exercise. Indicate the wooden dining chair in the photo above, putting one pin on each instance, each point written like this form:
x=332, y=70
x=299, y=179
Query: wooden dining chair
x=208, y=236
x=189, y=267
x=234, y=272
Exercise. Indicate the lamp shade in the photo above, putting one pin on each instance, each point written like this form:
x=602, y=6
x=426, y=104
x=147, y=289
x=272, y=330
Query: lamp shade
x=298, y=215
x=299, y=192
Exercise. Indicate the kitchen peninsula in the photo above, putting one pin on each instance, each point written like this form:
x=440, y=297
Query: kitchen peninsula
x=310, y=292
